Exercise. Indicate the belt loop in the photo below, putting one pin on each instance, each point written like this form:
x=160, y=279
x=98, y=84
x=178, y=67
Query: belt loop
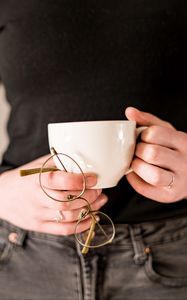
x=140, y=255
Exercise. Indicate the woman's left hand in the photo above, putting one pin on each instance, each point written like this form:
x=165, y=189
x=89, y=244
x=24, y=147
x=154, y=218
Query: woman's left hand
x=160, y=162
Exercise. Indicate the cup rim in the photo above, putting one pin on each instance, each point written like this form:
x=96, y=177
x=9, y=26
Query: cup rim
x=92, y=122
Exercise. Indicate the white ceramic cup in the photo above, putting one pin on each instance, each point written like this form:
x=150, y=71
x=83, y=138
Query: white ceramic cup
x=105, y=148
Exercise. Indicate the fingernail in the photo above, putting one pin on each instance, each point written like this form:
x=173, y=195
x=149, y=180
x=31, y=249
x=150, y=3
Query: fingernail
x=97, y=218
x=91, y=181
x=103, y=200
x=136, y=109
x=99, y=191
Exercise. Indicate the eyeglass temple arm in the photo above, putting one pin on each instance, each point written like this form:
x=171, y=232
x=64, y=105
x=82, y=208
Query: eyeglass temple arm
x=90, y=236
x=25, y=172
x=53, y=151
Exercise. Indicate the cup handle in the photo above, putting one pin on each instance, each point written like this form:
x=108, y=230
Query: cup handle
x=138, y=132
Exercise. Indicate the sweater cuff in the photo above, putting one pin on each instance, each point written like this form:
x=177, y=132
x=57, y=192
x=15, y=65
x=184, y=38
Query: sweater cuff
x=5, y=168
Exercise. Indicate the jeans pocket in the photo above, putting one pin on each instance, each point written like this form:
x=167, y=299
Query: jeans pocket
x=167, y=263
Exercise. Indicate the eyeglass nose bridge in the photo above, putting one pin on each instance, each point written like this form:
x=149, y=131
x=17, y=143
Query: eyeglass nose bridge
x=84, y=212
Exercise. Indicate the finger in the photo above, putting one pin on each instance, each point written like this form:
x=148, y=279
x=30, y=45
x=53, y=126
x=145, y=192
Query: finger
x=62, y=180
x=89, y=195
x=158, y=155
x=152, y=174
x=160, y=194
x=64, y=228
x=48, y=214
x=144, y=118
x=167, y=137
x=74, y=215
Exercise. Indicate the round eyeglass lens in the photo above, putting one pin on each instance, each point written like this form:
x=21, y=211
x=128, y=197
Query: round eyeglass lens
x=60, y=162
x=100, y=232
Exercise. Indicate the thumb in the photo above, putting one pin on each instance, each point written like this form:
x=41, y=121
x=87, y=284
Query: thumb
x=144, y=118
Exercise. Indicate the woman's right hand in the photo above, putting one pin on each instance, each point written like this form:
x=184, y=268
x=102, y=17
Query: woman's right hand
x=24, y=204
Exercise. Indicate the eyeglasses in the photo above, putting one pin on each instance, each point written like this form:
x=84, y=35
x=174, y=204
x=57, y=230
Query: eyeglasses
x=96, y=236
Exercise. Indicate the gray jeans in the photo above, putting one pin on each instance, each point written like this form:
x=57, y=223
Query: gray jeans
x=146, y=261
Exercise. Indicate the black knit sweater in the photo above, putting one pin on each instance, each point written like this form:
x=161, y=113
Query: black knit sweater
x=67, y=60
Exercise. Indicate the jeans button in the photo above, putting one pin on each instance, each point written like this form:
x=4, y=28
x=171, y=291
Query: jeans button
x=13, y=237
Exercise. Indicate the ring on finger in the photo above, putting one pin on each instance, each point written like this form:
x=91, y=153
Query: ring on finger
x=60, y=217
x=169, y=186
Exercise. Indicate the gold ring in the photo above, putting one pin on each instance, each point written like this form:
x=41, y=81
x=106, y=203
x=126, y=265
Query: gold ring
x=60, y=217
x=171, y=182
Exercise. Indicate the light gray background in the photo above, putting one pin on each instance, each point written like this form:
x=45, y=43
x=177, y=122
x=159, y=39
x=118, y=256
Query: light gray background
x=4, y=113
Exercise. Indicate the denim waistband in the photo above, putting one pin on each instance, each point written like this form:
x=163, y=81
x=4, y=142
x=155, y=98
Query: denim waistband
x=158, y=231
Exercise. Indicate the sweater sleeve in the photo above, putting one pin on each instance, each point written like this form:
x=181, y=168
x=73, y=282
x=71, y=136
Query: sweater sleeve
x=4, y=168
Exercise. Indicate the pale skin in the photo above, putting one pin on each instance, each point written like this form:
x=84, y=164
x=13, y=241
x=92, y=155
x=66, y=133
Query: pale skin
x=160, y=157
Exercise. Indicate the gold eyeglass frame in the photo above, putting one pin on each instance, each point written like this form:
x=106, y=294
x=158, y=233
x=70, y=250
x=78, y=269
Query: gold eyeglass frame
x=84, y=212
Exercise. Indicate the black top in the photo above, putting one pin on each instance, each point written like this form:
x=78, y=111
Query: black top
x=68, y=60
